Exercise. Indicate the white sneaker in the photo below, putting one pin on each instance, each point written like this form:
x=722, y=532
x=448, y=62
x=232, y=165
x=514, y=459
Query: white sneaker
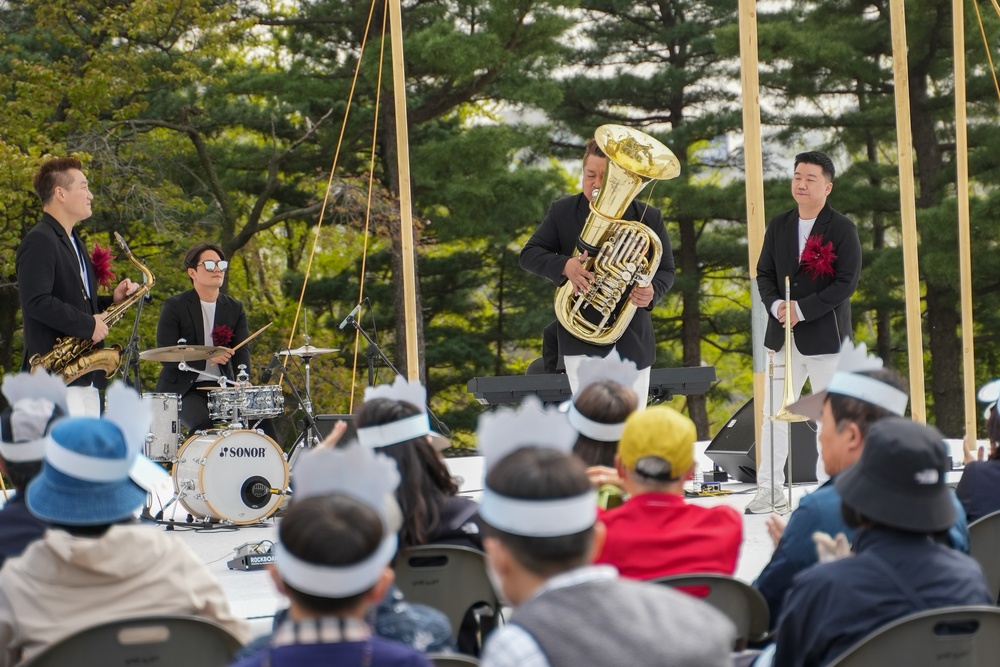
x=761, y=503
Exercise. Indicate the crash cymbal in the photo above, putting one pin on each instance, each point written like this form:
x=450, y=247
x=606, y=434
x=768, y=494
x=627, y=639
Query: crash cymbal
x=307, y=351
x=181, y=353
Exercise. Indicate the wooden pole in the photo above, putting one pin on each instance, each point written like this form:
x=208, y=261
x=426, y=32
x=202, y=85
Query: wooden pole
x=753, y=165
x=964, y=242
x=907, y=201
x=405, y=206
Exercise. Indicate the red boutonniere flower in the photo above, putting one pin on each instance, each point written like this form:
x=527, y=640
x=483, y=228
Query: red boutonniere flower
x=817, y=257
x=101, y=259
x=222, y=335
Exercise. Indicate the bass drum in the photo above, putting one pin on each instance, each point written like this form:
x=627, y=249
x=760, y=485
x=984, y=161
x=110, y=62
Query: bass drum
x=230, y=476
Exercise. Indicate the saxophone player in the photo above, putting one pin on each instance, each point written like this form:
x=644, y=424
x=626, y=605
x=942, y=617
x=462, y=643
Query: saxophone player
x=56, y=281
x=551, y=252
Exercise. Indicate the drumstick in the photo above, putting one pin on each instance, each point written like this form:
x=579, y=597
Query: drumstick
x=252, y=336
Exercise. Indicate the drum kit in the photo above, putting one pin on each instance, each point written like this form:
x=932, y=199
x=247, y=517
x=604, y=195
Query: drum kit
x=229, y=475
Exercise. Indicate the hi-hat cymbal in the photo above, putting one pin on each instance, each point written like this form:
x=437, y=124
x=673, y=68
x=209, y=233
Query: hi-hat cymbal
x=181, y=353
x=307, y=351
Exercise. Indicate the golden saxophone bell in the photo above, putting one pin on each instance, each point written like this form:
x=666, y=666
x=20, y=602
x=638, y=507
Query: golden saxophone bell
x=784, y=414
x=620, y=253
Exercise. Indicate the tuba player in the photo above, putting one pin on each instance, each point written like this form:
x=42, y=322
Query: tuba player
x=551, y=252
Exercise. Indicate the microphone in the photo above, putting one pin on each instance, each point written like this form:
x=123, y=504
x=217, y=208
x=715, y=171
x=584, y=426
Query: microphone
x=265, y=375
x=351, y=315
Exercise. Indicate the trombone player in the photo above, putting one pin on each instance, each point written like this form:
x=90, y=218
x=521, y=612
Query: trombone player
x=552, y=253
x=817, y=248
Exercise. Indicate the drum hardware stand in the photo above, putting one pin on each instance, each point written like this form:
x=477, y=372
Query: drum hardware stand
x=309, y=435
x=374, y=351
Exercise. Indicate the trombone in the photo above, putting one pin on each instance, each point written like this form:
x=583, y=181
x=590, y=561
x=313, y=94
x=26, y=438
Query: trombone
x=784, y=414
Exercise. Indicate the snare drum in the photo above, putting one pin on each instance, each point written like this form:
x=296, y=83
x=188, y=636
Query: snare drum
x=230, y=475
x=251, y=402
x=165, y=430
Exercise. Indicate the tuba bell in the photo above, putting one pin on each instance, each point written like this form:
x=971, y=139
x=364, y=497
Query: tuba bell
x=620, y=253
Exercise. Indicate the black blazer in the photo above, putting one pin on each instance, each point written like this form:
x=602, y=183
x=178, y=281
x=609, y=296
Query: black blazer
x=554, y=242
x=180, y=317
x=54, y=302
x=825, y=301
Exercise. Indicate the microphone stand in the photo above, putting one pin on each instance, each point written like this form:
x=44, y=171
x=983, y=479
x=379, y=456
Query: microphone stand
x=130, y=354
x=374, y=351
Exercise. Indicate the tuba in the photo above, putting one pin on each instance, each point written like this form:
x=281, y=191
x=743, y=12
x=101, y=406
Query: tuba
x=71, y=358
x=620, y=253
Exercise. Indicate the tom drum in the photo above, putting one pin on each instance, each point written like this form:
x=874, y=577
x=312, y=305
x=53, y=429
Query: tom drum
x=164, y=435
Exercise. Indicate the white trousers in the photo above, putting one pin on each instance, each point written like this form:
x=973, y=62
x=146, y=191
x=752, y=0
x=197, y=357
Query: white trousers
x=640, y=387
x=819, y=369
x=83, y=401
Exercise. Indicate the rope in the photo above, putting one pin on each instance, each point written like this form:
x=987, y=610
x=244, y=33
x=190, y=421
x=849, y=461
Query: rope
x=326, y=195
x=982, y=30
x=368, y=207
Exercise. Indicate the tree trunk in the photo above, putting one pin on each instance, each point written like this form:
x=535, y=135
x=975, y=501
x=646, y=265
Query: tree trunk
x=391, y=164
x=690, y=284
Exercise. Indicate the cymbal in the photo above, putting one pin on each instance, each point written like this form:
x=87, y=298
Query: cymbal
x=307, y=351
x=181, y=353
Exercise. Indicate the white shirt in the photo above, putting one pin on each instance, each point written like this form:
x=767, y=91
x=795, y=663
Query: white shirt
x=208, y=322
x=805, y=228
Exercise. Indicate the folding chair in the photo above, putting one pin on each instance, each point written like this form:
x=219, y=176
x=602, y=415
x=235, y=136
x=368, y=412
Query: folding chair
x=948, y=636
x=451, y=660
x=451, y=579
x=739, y=601
x=984, y=540
x=187, y=641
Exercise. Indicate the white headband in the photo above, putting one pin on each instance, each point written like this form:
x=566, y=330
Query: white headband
x=20, y=452
x=401, y=430
x=870, y=390
x=334, y=581
x=148, y=475
x=596, y=430
x=87, y=468
x=539, y=518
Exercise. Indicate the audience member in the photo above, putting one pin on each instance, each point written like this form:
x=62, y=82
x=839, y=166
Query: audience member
x=979, y=488
x=393, y=420
x=541, y=535
x=35, y=401
x=603, y=399
x=96, y=563
x=656, y=533
x=897, y=500
x=860, y=394
x=332, y=561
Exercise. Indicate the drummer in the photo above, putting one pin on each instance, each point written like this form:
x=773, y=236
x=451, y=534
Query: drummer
x=203, y=315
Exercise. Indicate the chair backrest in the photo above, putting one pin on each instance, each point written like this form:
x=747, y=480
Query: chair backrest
x=949, y=636
x=451, y=660
x=738, y=600
x=154, y=640
x=984, y=543
x=449, y=578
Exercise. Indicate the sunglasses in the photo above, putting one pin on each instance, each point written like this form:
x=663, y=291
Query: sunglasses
x=211, y=265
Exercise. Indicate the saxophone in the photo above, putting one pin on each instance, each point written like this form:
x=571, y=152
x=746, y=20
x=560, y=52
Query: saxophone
x=74, y=357
x=621, y=253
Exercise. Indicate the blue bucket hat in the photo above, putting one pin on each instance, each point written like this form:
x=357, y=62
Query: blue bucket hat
x=94, y=472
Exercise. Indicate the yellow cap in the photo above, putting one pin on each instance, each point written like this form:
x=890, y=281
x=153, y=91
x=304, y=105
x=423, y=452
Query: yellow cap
x=659, y=432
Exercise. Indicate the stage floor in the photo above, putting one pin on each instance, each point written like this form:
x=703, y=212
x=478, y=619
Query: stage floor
x=254, y=597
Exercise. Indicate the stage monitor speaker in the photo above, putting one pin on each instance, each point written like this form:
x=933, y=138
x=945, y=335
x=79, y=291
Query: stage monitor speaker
x=325, y=424
x=733, y=449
